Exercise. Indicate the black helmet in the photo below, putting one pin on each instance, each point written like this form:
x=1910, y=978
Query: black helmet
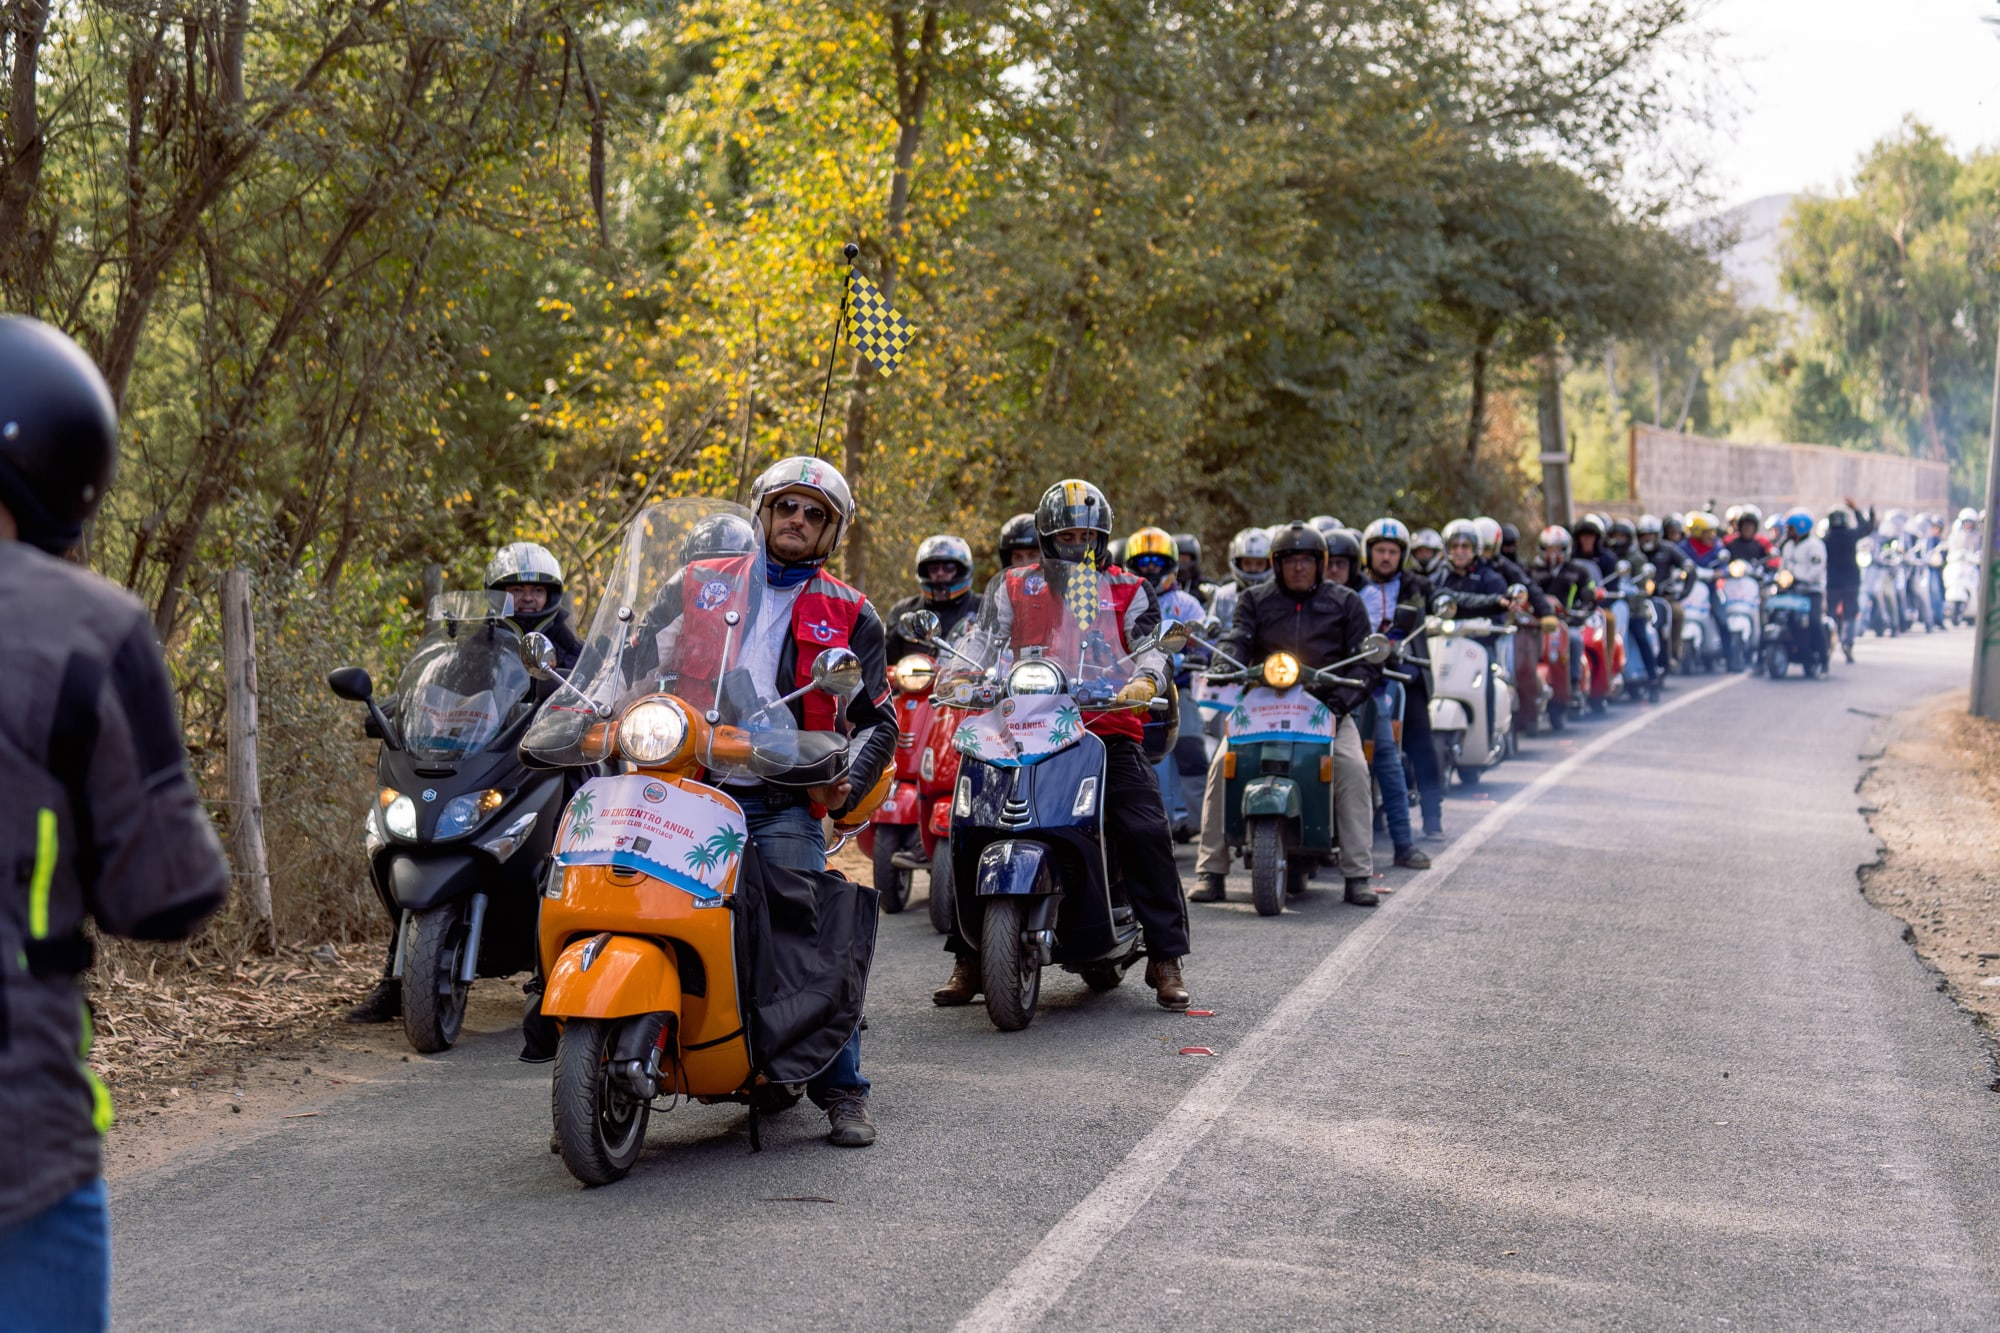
x=1070, y=506
x=1836, y=517
x=1298, y=538
x=1622, y=535
x=1671, y=527
x=1018, y=534
x=1587, y=527
x=1510, y=537
x=719, y=534
x=58, y=434
x=1188, y=545
x=1345, y=542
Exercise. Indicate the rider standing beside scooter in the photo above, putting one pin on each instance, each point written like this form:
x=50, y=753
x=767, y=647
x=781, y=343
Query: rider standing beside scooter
x=1026, y=611
x=944, y=575
x=1343, y=566
x=1396, y=599
x=1843, y=569
x=99, y=822
x=1319, y=622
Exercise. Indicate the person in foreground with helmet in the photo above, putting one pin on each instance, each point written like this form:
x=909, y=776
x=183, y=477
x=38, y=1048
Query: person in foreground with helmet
x=944, y=577
x=531, y=575
x=1670, y=565
x=1344, y=566
x=1572, y=585
x=1028, y=609
x=1396, y=599
x=1803, y=555
x=100, y=819
x=1746, y=536
x=1320, y=622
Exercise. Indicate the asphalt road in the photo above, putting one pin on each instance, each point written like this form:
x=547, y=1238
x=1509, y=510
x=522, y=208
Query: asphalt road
x=1636, y=1053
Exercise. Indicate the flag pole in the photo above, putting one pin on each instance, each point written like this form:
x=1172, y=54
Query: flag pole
x=850, y=252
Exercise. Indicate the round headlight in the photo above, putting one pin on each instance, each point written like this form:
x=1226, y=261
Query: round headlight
x=1281, y=671
x=1737, y=569
x=400, y=817
x=1784, y=578
x=1035, y=677
x=462, y=814
x=652, y=731
x=912, y=674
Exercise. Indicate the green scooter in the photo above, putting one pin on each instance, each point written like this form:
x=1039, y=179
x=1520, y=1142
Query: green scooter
x=1278, y=769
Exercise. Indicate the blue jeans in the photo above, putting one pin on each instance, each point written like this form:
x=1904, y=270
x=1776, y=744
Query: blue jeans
x=1388, y=764
x=791, y=837
x=55, y=1268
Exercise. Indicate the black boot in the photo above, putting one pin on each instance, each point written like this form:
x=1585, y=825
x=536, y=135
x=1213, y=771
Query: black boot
x=1212, y=888
x=1360, y=894
x=384, y=1004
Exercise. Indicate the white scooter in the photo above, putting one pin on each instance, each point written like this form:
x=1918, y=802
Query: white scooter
x=1961, y=586
x=1701, y=640
x=1472, y=700
x=1742, y=613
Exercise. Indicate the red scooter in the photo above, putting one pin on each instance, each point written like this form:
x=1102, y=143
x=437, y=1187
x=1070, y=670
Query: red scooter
x=1531, y=692
x=1603, y=658
x=937, y=776
x=898, y=840
x=1552, y=665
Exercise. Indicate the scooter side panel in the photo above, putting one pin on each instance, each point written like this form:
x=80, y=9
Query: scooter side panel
x=1449, y=715
x=627, y=976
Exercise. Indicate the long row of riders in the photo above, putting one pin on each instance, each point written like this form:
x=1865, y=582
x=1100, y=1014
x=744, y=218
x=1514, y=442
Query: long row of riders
x=640, y=817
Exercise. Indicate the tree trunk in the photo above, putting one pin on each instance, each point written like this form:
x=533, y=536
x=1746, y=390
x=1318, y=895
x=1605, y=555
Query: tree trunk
x=1556, y=499
x=22, y=154
x=246, y=823
x=1475, y=423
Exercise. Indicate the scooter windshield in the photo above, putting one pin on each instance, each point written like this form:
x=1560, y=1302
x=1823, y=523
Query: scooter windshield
x=688, y=611
x=463, y=685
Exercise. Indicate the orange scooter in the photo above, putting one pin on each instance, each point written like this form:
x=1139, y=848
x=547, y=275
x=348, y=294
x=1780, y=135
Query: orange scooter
x=649, y=948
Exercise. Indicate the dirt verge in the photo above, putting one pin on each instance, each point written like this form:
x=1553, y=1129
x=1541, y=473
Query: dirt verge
x=1933, y=798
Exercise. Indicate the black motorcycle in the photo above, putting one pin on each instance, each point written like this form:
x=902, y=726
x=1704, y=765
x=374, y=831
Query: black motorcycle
x=459, y=836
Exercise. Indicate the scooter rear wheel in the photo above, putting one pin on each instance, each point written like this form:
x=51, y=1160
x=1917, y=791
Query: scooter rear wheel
x=600, y=1124
x=940, y=904
x=892, y=882
x=433, y=996
x=1011, y=972
x=1267, y=866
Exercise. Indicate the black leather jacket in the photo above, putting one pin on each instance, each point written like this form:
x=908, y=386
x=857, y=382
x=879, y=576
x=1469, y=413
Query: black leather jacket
x=1323, y=626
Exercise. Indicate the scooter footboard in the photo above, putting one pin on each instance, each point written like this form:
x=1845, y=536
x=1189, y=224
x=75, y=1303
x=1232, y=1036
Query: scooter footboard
x=613, y=977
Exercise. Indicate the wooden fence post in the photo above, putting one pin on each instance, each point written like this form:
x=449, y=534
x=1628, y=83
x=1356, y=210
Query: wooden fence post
x=246, y=824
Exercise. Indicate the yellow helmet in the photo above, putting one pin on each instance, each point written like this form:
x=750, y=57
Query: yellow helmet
x=1702, y=525
x=1151, y=541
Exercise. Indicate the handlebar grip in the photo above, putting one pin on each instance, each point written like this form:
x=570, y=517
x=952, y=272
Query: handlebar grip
x=1348, y=682
x=1160, y=705
x=1397, y=675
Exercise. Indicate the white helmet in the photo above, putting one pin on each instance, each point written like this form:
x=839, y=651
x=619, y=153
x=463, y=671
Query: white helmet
x=525, y=562
x=1489, y=535
x=1967, y=516
x=1249, y=544
x=817, y=476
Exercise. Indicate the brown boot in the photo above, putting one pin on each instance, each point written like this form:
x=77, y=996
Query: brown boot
x=1164, y=976
x=964, y=985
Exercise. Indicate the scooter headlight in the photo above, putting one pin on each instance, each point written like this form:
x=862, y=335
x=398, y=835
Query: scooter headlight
x=462, y=814
x=652, y=731
x=1738, y=569
x=1281, y=671
x=399, y=814
x=1785, y=578
x=913, y=673
x=1035, y=676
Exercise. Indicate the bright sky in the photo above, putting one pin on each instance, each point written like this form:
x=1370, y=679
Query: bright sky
x=1821, y=80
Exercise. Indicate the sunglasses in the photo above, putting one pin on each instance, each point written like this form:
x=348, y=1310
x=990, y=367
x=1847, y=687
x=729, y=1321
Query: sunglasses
x=790, y=506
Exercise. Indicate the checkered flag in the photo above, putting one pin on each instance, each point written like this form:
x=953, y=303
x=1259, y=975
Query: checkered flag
x=874, y=327
x=1081, y=594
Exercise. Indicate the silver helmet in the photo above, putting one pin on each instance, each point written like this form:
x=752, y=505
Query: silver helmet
x=815, y=476
x=524, y=562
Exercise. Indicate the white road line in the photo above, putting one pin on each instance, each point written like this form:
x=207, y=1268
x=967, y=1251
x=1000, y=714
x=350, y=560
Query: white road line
x=1031, y=1290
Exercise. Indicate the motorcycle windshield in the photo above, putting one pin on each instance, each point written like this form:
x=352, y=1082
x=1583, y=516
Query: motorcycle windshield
x=461, y=689
x=1044, y=652
x=687, y=611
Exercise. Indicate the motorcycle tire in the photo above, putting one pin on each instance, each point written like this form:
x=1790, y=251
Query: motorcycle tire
x=940, y=904
x=892, y=881
x=1559, y=717
x=433, y=996
x=600, y=1125
x=1011, y=974
x=1101, y=977
x=1267, y=866
x=1776, y=662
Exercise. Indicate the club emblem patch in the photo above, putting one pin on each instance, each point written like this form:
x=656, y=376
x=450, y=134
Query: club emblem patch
x=656, y=792
x=824, y=633
x=713, y=594
x=1034, y=584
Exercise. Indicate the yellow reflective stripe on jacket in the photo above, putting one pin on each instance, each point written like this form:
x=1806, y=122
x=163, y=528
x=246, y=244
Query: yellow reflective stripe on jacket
x=45, y=873
x=100, y=1096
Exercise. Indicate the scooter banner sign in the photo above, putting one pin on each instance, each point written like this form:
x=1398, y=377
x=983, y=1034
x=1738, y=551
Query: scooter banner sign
x=638, y=823
x=1021, y=730
x=1279, y=715
x=1215, y=700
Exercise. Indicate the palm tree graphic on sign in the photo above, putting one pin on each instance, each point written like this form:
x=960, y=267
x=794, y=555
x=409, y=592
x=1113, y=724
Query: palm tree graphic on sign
x=700, y=858
x=968, y=740
x=1320, y=715
x=726, y=845
x=582, y=818
x=1239, y=717
x=1067, y=721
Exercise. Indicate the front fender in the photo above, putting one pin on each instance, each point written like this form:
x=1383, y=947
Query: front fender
x=1012, y=869
x=622, y=977
x=1273, y=796
x=419, y=883
x=1449, y=715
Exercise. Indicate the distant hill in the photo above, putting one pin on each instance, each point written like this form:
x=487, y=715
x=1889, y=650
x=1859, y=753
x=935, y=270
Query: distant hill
x=1751, y=260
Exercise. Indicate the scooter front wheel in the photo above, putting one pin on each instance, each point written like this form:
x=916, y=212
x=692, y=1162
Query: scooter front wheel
x=433, y=996
x=1267, y=866
x=600, y=1123
x=1011, y=971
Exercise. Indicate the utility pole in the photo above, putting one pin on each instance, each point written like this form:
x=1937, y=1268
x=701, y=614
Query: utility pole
x=1555, y=442
x=1986, y=647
